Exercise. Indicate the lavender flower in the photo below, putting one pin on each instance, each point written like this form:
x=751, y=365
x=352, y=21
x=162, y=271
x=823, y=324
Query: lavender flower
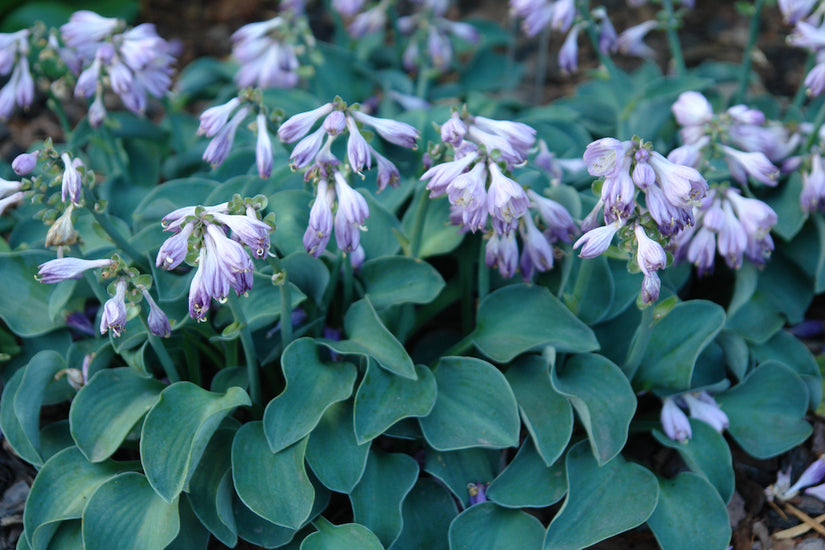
x=630, y=41
x=596, y=241
x=158, y=321
x=19, y=90
x=60, y=269
x=263, y=148
x=24, y=163
x=783, y=490
x=218, y=149
x=114, y=311
x=350, y=216
x=71, y=186
x=703, y=407
x=812, y=197
x=674, y=421
x=477, y=492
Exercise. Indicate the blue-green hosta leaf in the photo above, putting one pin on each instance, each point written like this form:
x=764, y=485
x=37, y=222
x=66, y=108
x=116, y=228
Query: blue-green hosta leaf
x=121, y=397
x=707, y=454
x=517, y=318
x=273, y=485
x=369, y=337
x=176, y=431
x=172, y=195
x=60, y=491
x=292, y=210
x=437, y=236
x=22, y=399
x=27, y=315
x=308, y=273
x=767, y=410
x=676, y=342
x=384, y=398
x=474, y=407
x=592, y=295
x=192, y=534
x=211, y=490
x=790, y=351
x=392, y=280
x=126, y=510
x=341, y=537
x=379, y=239
x=528, y=482
x=603, y=399
x=69, y=536
x=546, y=413
x=376, y=500
x=756, y=320
x=602, y=501
x=487, y=526
x=311, y=387
x=255, y=529
x=689, y=514
x=458, y=468
x=427, y=512
x=333, y=452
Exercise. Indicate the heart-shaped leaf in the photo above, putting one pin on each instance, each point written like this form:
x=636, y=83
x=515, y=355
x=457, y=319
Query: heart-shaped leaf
x=427, y=512
x=474, y=407
x=392, y=280
x=211, y=491
x=528, y=482
x=487, y=526
x=311, y=387
x=341, y=537
x=335, y=456
x=458, y=468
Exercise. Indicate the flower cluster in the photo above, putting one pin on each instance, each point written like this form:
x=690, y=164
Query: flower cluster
x=313, y=153
x=200, y=238
x=670, y=191
x=740, y=135
x=739, y=227
x=482, y=151
x=135, y=62
x=808, y=20
x=10, y=194
x=268, y=51
x=19, y=90
x=701, y=407
x=221, y=123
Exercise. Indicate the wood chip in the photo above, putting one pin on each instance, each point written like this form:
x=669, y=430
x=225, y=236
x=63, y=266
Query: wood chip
x=798, y=530
x=805, y=518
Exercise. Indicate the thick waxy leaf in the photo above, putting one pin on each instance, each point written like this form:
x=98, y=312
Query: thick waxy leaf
x=376, y=500
x=192, y=535
x=60, y=491
x=369, y=337
x=341, y=537
x=384, y=398
x=458, y=468
x=689, y=514
x=790, y=351
x=487, y=526
x=756, y=320
x=593, y=291
x=546, y=413
x=69, y=536
x=474, y=407
x=21, y=402
x=335, y=456
x=172, y=195
x=211, y=491
x=437, y=237
x=27, y=315
x=675, y=343
x=399, y=280
x=121, y=397
x=308, y=273
x=255, y=529
x=126, y=510
x=427, y=512
x=176, y=431
x=517, y=318
x=767, y=410
x=602, y=501
x=273, y=485
x=527, y=482
x=311, y=387
x=603, y=399
x=707, y=454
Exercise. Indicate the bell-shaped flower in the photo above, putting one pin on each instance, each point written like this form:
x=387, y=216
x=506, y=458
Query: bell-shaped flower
x=674, y=421
x=335, y=123
x=263, y=148
x=559, y=222
x=350, y=215
x=703, y=407
x=215, y=118
x=114, y=311
x=399, y=133
x=297, y=126
x=605, y=156
x=441, y=175
x=650, y=255
x=630, y=41
x=199, y=297
x=319, y=228
x=249, y=230
x=682, y=185
x=569, y=51
x=158, y=321
x=692, y=109
x=71, y=181
x=358, y=151
x=537, y=253
x=812, y=197
x=61, y=269
x=454, y=130
x=502, y=252
x=596, y=241
x=506, y=200
x=701, y=250
x=174, y=249
x=218, y=149
x=753, y=164
x=388, y=173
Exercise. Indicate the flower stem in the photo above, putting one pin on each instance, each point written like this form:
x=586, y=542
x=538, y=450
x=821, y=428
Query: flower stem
x=818, y=121
x=801, y=92
x=117, y=237
x=483, y=273
x=641, y=338
x=286, y=302
x=460, y=347
x=747, y=58
x=418, y=222
x=673, y=39
x=541, y=68
x=56, y=106
x=248, y=351
x=160, y=350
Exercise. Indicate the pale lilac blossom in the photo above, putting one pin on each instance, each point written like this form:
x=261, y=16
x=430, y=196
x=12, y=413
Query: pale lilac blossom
x=157, y=321
x=61, y=269
x=674, y=421
x=114, y=311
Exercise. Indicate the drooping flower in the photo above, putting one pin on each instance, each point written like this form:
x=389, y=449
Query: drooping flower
x=158, y=321
x=61, y=269
x=674, y=421
x=114, y=311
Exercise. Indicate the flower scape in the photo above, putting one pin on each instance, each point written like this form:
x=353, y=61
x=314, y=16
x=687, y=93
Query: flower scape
x=358, y=284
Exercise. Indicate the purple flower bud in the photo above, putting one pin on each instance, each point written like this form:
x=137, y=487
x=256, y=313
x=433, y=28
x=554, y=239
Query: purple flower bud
x=263, y=149
x=215, y=118
x=158, y=321
x=357, y=257
x=439, y=48
x=506, y=200
x=441, y=175
x=218, y=149
x=24, y=163
x=199, y=297
x=630, y=41
x=651, y=285
x=71, y=187
x=692, y=109
x=388, y=173
x=174, y=249
x=569, y=51
x=538, y=253
x=812, y=197
x=97, y=111
x=650, y=255
x=682, y=185
x=307, y=149
x=335, y=123
x=502, y=252
x=674, y=421
x=560, y=224
x=297, y=126
x=399, y=133
x=358, y=152
x=478, y=492
x=61, y=269
x=114, y=311
x=597, y=240
x=350, y=216
x=815, y=80
x=701, y=251
x=703, y=407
